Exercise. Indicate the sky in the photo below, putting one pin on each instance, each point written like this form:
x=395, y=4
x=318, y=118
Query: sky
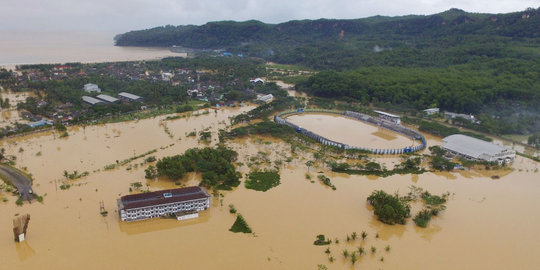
x=124, y=15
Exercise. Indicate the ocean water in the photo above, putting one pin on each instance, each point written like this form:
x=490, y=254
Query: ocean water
x=61, y=47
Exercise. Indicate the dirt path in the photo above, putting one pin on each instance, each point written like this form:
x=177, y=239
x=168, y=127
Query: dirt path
x=22, y=182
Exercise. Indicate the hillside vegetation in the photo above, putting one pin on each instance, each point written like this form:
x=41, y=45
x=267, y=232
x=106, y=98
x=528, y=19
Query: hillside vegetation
x=486, y=64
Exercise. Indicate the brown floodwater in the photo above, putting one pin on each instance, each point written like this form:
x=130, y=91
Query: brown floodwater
x=61, y=47
x=350, y=131
x=489, y=224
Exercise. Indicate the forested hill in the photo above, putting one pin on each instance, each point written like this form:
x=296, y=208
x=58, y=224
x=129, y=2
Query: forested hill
x=234, y=34
x=260, y=38
x=487, y=64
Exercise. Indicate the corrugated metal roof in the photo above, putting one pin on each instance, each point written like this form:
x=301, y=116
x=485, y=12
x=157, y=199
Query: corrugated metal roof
x=91, y=100
x=107, y=98
x=129, y=95
x=470, y=146
x=387, y=114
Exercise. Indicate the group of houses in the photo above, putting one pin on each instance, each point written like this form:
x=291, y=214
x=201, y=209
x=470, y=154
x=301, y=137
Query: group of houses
x=106, y=99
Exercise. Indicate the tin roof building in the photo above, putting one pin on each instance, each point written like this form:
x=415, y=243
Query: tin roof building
x=476, y=149
x=390, y=117
x=91, y=100
x=107, y=98
x=162, y=203
x=129, y=97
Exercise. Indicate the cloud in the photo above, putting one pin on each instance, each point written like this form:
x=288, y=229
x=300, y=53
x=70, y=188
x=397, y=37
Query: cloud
x=124, y=15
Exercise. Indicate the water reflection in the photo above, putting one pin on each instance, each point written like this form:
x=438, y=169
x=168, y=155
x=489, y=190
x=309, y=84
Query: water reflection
x=160, y=224
x=24, y=250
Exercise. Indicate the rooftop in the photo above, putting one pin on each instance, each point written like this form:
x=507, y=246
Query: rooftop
x=128, y=95
x=472, y=147
x=387, y=114
x=91, y=100
x=163, y=197
x=107, y=98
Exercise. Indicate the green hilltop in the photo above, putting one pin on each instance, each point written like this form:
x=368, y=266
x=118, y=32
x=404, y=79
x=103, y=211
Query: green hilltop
x=486, y=64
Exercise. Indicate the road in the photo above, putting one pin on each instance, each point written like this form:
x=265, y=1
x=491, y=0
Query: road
x=22, y=182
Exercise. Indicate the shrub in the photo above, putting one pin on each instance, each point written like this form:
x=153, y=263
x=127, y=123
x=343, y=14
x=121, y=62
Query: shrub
x=422, y=218
x=321, y=241
x=240, y=225
x=390, y=209
x=262, y=181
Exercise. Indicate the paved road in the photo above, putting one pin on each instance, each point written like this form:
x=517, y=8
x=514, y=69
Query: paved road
x=20, y=181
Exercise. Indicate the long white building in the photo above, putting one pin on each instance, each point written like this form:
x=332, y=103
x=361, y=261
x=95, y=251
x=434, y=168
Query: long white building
x=161, y=203
x=476, y=149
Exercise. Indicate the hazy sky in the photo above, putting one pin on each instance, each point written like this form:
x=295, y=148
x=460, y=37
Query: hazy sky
x=124, y=15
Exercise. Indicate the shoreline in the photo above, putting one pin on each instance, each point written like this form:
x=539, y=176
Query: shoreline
x=13, y=66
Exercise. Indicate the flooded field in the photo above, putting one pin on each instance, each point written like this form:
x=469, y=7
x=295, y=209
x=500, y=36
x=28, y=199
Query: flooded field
x=489, y=224
x=350, y=131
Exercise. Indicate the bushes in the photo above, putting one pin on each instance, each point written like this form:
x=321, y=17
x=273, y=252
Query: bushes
x=390, y=209
x=240, y=225
x=321, y=240
x=215, y=164
x=422, y=218
x=262, y=181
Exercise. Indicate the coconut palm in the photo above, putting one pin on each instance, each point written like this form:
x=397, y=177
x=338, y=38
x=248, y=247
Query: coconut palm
x=364, y=235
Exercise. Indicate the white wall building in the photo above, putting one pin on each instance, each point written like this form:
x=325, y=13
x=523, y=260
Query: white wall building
x=91, y=88
x=165, y=202
x=475, y=149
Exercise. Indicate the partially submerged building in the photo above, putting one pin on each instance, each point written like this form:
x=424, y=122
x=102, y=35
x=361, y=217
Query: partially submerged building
x=390, y=117
x=475, y=149
x=125, y=96
x=184, y=202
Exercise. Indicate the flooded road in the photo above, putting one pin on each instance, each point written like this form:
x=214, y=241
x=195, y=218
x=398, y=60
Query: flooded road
x=489, y=224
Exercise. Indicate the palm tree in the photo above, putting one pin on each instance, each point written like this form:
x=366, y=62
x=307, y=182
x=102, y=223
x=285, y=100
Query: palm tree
x=354, y=258
x=345, y=253
x=66, y=174
x=327, y=251
x=387, y=248
x=364, y=235
x=354, y=236
x=361, y=250
x=373, y=249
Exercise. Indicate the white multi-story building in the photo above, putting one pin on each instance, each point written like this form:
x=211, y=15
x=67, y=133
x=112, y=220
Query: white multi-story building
x=161, y=203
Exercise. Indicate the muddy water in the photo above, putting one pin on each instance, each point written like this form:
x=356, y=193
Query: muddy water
x=61, y=47
x=8, y=116
x=350, y=131
x=489, y=224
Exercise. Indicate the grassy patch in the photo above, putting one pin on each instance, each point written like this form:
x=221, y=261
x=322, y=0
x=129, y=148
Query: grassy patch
x=262, y=181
